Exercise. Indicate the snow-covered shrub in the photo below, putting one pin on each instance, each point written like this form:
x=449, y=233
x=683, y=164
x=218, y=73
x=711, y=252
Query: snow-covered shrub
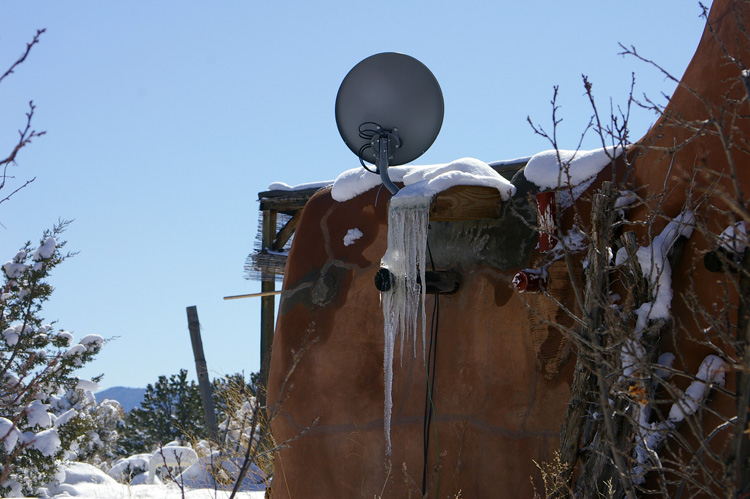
x=95, y=425
x=125, y=469
x=235, y=402
x=37, y=363
x=81, y=474
x=240, y=426
x=172, y=414
x=217, y=471
x=239, y=451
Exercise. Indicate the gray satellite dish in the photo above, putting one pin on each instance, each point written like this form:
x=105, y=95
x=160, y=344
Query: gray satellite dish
x=389, y=110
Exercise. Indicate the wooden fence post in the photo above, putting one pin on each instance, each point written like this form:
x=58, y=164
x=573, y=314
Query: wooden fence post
x=200, y=366
x=267, y=307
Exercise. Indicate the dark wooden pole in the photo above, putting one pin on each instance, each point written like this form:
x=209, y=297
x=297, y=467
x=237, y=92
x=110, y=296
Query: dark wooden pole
x=267, y=307
x=200, y=366
x=439, y=282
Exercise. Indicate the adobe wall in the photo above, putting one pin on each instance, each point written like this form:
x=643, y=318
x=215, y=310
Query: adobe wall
x=502, y=380
x=498, y=397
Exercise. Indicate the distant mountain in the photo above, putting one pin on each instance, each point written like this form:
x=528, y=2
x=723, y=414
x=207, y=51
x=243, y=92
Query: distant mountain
x=129, y=398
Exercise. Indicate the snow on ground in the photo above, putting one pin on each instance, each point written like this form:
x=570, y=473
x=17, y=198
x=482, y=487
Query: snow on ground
x=85, y=481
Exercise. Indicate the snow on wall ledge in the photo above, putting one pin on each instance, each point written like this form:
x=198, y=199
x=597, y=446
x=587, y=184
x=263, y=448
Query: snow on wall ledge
x=562, y=168
x=424, y=181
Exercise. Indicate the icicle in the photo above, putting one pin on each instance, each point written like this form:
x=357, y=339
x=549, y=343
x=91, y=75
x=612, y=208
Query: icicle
x=407, y=240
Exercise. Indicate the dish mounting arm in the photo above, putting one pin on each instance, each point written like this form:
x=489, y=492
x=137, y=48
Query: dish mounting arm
x=385, y=143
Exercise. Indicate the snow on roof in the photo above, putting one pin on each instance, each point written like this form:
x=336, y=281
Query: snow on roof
x=281, y=186
x=424, y=181
x=509, y=162
x=562, y=168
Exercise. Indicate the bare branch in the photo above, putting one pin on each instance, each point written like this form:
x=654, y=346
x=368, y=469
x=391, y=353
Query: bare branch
x=25, y=54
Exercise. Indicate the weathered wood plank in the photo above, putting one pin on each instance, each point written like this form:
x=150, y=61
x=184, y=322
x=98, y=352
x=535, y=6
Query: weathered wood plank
x=466, y=202
x=285, y=201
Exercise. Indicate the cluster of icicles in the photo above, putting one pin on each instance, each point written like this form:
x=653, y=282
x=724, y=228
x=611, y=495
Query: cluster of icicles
x=403, y=304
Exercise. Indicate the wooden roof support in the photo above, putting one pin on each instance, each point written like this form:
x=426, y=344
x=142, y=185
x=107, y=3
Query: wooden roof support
x=286, y=232
x=267, y=308
x=285, y=201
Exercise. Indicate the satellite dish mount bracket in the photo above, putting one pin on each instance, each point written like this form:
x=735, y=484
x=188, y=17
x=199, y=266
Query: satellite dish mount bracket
x=385, y=143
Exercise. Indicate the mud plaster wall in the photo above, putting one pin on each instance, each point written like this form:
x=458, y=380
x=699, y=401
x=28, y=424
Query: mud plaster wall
x=502, y=381
x=498, y=403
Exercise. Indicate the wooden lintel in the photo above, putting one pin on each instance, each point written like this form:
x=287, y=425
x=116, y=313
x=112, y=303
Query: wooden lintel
x=286, y=232
x=466, y=202
x=285, y=201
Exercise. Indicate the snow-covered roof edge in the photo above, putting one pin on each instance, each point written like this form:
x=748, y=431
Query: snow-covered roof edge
x=564, y=168
x=281, y=186
x=424, y=180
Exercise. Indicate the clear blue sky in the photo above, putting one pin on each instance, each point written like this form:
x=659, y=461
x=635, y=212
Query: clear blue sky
x=165, y=119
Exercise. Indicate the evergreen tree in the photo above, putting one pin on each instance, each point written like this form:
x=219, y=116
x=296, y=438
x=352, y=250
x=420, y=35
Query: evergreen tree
x=171, y=410
x=37, y=364
x=38, y=361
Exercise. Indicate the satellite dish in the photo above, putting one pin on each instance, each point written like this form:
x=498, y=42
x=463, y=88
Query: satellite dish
x=389, y=110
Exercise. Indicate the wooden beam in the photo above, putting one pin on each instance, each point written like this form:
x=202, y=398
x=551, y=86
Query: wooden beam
x=253, y=295
x=286, y=232
x=285, y=201
x=466, y=202
x=439, y=282
x=267, y=307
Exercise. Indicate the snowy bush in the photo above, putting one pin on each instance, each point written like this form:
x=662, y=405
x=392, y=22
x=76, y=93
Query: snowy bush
x=125, y=469
x=235, y=402
x=38, y=427
x=97, y=424
x=241, y=456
